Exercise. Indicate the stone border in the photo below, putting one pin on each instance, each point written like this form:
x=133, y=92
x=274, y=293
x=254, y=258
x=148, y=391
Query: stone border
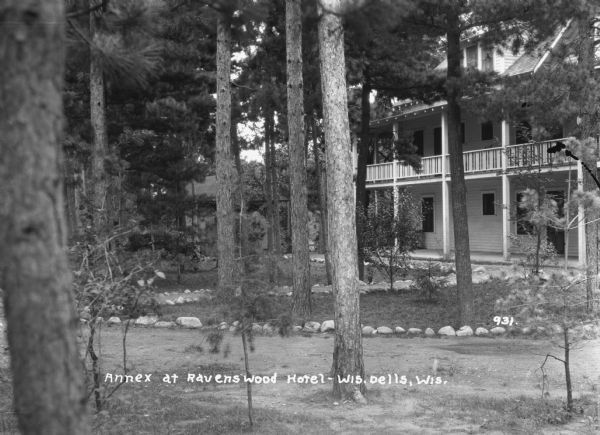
x=587, y=331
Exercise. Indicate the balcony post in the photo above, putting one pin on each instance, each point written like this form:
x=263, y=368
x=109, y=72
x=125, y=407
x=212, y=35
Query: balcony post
x=581, y=253
x=505, y=137
x=445, y=190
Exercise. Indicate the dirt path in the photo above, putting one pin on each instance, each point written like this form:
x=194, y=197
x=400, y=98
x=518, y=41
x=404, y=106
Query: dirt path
x=471, y=370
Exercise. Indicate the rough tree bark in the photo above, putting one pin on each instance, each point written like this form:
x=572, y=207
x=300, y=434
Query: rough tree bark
x=458, y=187
x=49, y=396
x=268, y=187
x=225, y=167
x=301, y=306
x=347, y=352
x=275, y=190
x=361, y=173
x=98, y=176
x=588, y=129
x=322, y=185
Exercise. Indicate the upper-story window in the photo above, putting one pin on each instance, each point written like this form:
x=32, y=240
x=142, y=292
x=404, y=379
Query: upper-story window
x=418, y=141
x=437, y=141
x=487, y=130
x=472, y=56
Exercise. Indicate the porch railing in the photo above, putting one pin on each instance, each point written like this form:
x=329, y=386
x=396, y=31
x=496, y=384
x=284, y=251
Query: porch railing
x=527, y=156
x=533, y=155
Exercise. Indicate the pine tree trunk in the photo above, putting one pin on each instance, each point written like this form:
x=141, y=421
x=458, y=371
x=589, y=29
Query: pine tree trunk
x=98, y=176
x=347, y=353
x=301, y=306
x=271, y=263
x=458, y=187
x=70, y=195
x=268, y=188
x=275, y=181
x=585, y=29
x=48, y=389
x=361, y=173
x=225, y=167
x=322, y=183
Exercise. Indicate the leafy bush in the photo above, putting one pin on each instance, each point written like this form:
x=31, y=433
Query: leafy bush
x=390, y=237
x=535, y=256
x=426, y=283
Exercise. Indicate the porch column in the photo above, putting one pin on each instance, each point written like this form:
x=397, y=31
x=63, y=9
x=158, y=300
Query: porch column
x=354, y=151
x=505, y=137
x=445, y=190
x=581, y=219
x=395, y=187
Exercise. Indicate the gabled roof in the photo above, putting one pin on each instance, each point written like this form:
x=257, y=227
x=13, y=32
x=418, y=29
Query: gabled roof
x=527, y=63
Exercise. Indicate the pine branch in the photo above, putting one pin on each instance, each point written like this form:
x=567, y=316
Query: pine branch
x=76, y=14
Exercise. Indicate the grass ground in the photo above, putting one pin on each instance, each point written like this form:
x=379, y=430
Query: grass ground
x=491, y=387
x=408, y=309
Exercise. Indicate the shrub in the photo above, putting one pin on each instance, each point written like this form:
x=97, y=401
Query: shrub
x=390, y=237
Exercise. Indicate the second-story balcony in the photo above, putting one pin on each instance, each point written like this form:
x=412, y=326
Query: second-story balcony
x=528, y=157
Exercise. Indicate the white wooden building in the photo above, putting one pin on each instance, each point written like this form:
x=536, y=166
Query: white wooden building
x=499, y=163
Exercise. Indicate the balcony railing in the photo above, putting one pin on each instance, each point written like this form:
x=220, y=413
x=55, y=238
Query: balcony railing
x=529, y=156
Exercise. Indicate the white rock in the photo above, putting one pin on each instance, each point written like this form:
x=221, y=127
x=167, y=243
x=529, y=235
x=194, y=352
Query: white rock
x=479, y=269
x=162, y=324
x=169, y=302
x=232, y=328
x=414, y=331
x=146, y=320
x=236, y=323
x=223, y=326
x=384, y=330
x=403, y=284
x=481, y=331
x=312, y=326
x=114, y=320
x=399, y=330
x=429, y=332
x=526, y=330
x=368, y=330
x=498, y=330
x=180, y=300
x=187, y=291
x=268, y=329
x=447, y=268
x=481, y=278
x=328, y=325
x=297, y=328
x=447, y=330
x=464, y=331
x=256, y=327
x=450, y=280
x=189, y=322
